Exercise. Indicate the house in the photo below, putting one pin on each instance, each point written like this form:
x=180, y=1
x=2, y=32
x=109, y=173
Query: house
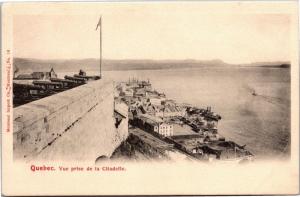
x=44, y=75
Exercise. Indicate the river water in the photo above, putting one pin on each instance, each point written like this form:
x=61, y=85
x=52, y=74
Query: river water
x=262, y=122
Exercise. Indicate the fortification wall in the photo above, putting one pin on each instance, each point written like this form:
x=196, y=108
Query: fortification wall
x=122, y=128
x=77, y=124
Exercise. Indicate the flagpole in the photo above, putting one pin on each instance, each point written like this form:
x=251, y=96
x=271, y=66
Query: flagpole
x=100, y=61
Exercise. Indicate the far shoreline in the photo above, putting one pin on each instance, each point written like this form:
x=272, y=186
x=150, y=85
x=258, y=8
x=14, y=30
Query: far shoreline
x=33, y=65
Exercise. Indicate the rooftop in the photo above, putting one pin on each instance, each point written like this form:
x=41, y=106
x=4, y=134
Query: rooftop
x=151, y=118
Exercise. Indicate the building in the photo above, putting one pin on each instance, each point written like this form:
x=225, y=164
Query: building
x=128, y=92
x=169, y=111
x=44, y=75
x=156, y=100
x=149, y=109
x=211, y=125
x=140, y=92
x=154, y=124
x=145, y=123
x=165, y=129
x=38, y=75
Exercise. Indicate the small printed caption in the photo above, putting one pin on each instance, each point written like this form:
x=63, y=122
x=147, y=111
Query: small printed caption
x=8, y=88
x=43, y=168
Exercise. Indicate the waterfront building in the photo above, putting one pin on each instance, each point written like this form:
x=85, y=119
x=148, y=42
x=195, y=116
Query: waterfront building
x=154, y=124
x=146, y=123
x=156, y=100
x=166, y=129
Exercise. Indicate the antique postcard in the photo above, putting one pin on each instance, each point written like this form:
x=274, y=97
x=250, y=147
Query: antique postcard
x=150, y=98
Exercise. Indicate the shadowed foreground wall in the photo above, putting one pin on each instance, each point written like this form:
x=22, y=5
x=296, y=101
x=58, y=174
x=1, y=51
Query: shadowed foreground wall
x=77, y=124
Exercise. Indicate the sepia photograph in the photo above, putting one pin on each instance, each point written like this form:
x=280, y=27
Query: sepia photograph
x=158, y=85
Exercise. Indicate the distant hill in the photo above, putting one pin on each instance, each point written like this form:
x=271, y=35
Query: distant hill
x=270, y=64
x=30, y=65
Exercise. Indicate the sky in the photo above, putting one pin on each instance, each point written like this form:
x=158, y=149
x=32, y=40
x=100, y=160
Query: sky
x=155, y=33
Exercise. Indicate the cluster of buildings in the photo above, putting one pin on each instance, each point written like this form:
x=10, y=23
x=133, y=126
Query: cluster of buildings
x=190, y=129
x=148, y=109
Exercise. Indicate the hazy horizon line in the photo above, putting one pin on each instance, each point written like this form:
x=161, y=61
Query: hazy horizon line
x=148, y=59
